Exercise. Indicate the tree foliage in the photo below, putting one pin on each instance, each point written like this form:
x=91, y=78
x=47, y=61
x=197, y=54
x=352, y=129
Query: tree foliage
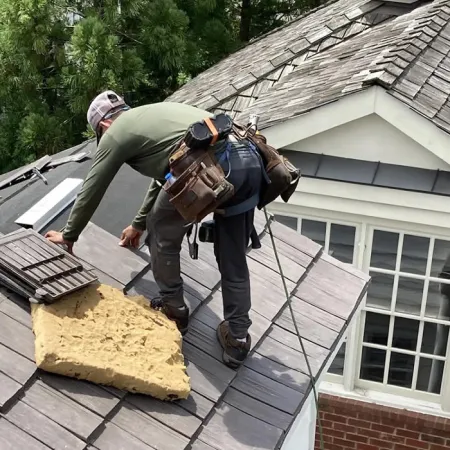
x=56, y=55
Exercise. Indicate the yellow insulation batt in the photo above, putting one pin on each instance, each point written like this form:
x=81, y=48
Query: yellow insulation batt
x=100, y=335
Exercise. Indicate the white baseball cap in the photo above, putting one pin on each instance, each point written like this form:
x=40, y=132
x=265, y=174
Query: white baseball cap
x=101, y=106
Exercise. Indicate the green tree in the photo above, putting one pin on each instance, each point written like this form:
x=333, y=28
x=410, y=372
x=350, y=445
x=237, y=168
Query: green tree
x=56, y=55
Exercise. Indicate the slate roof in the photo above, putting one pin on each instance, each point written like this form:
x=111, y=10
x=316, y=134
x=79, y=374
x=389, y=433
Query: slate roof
x=253, y=407
x=342, y=48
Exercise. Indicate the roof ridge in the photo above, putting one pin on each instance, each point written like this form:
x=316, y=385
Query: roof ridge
x=407, y=50
x=285, y=25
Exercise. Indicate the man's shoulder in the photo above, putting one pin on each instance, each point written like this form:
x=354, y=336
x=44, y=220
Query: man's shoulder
x=168, y=107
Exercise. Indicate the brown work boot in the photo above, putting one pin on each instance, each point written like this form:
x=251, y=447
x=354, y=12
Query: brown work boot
x=180, y=315
x=234, y=351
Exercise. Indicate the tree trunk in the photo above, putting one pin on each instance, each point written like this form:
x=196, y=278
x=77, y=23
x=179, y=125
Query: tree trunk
x=246, y=18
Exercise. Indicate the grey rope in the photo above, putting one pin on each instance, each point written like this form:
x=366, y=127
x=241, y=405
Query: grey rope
x=289, y=302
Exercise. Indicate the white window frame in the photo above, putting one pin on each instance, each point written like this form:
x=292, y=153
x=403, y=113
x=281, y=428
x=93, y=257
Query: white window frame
x=349, y=382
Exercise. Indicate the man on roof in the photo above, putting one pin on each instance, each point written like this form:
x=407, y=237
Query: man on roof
x=143, y=138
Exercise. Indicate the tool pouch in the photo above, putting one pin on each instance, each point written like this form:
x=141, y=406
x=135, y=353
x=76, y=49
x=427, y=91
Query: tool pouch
x=200, y=186
x=283, y=176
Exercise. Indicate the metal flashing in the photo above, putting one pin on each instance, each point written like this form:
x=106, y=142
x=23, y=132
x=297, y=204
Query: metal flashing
x=51, y=205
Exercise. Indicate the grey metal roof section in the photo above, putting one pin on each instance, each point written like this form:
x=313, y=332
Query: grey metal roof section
x=254, y=406
x=370, y=173
x=339, y=49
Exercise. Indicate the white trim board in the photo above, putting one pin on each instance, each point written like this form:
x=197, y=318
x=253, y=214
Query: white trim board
x=384, y=399
x=368, y=201
x=374, y=100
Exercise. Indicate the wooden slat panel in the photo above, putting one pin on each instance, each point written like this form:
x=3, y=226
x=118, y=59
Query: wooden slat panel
x=295, y=239
x=266, y=256
x=15, y=307
x=101, y=250
x=205, y=383
x=231, y=429
x=204, y=337
x=258, y=409
x=278, y=372
x=337, y=283
x=318, y=315
x=147, y=287
x=199, y=445
x=87, y=394
x=42, y=428
x=203, y=360
x=16, y=336
x=310, y=293
x=345, y=267
x=16, y=366
x=272, y=349
x=170, y=414
x=114, y=438
x=268, y=275
x=61, y=409
x=302, y=259
x=309, y=329
x=211, y=314
x=291, y=340
x=12, y=438
x=148, y=430
x=197, y=404
x=205, y=273
x=8, y=389
x=267, y=390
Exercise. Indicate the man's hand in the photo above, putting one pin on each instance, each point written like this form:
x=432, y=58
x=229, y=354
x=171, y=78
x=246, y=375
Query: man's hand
x=130, y=237
x=57, y=238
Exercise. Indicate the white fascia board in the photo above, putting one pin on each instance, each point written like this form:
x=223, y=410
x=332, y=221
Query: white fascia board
x=326, y=117
x=417, y=127
x=374, y=100
x=51, y=205
x=372, y=202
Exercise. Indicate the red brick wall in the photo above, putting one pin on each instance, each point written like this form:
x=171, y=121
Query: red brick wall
x=353, y=425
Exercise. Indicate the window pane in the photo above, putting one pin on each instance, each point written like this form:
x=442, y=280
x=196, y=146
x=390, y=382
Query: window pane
x=401, y=370
x=376, y=329
x=337, y=367
x=435, y=338
x=379, y=294
x=430, y=375
x=414, y=254
x=314, y=230
x=440, y=254
x=290, y=222
x=372, y=364
x=384, y=250
x=406, y=333
x=409, y=296
x=438, y=301
x=342, y=242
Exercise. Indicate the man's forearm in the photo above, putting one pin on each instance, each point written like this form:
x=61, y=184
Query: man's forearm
x=140, y=221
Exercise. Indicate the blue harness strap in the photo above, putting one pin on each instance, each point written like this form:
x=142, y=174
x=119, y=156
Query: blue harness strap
x=242, y=207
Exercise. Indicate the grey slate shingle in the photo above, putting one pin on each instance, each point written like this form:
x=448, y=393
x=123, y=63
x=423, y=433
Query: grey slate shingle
x=339, y=49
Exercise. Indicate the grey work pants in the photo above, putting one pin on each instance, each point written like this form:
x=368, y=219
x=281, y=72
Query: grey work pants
x=166, y=231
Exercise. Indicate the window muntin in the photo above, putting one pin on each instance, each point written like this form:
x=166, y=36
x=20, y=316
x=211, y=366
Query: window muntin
x=407, y=315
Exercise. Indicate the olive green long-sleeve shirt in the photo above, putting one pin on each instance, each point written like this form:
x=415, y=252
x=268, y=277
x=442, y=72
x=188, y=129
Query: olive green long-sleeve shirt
x=142, y=138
